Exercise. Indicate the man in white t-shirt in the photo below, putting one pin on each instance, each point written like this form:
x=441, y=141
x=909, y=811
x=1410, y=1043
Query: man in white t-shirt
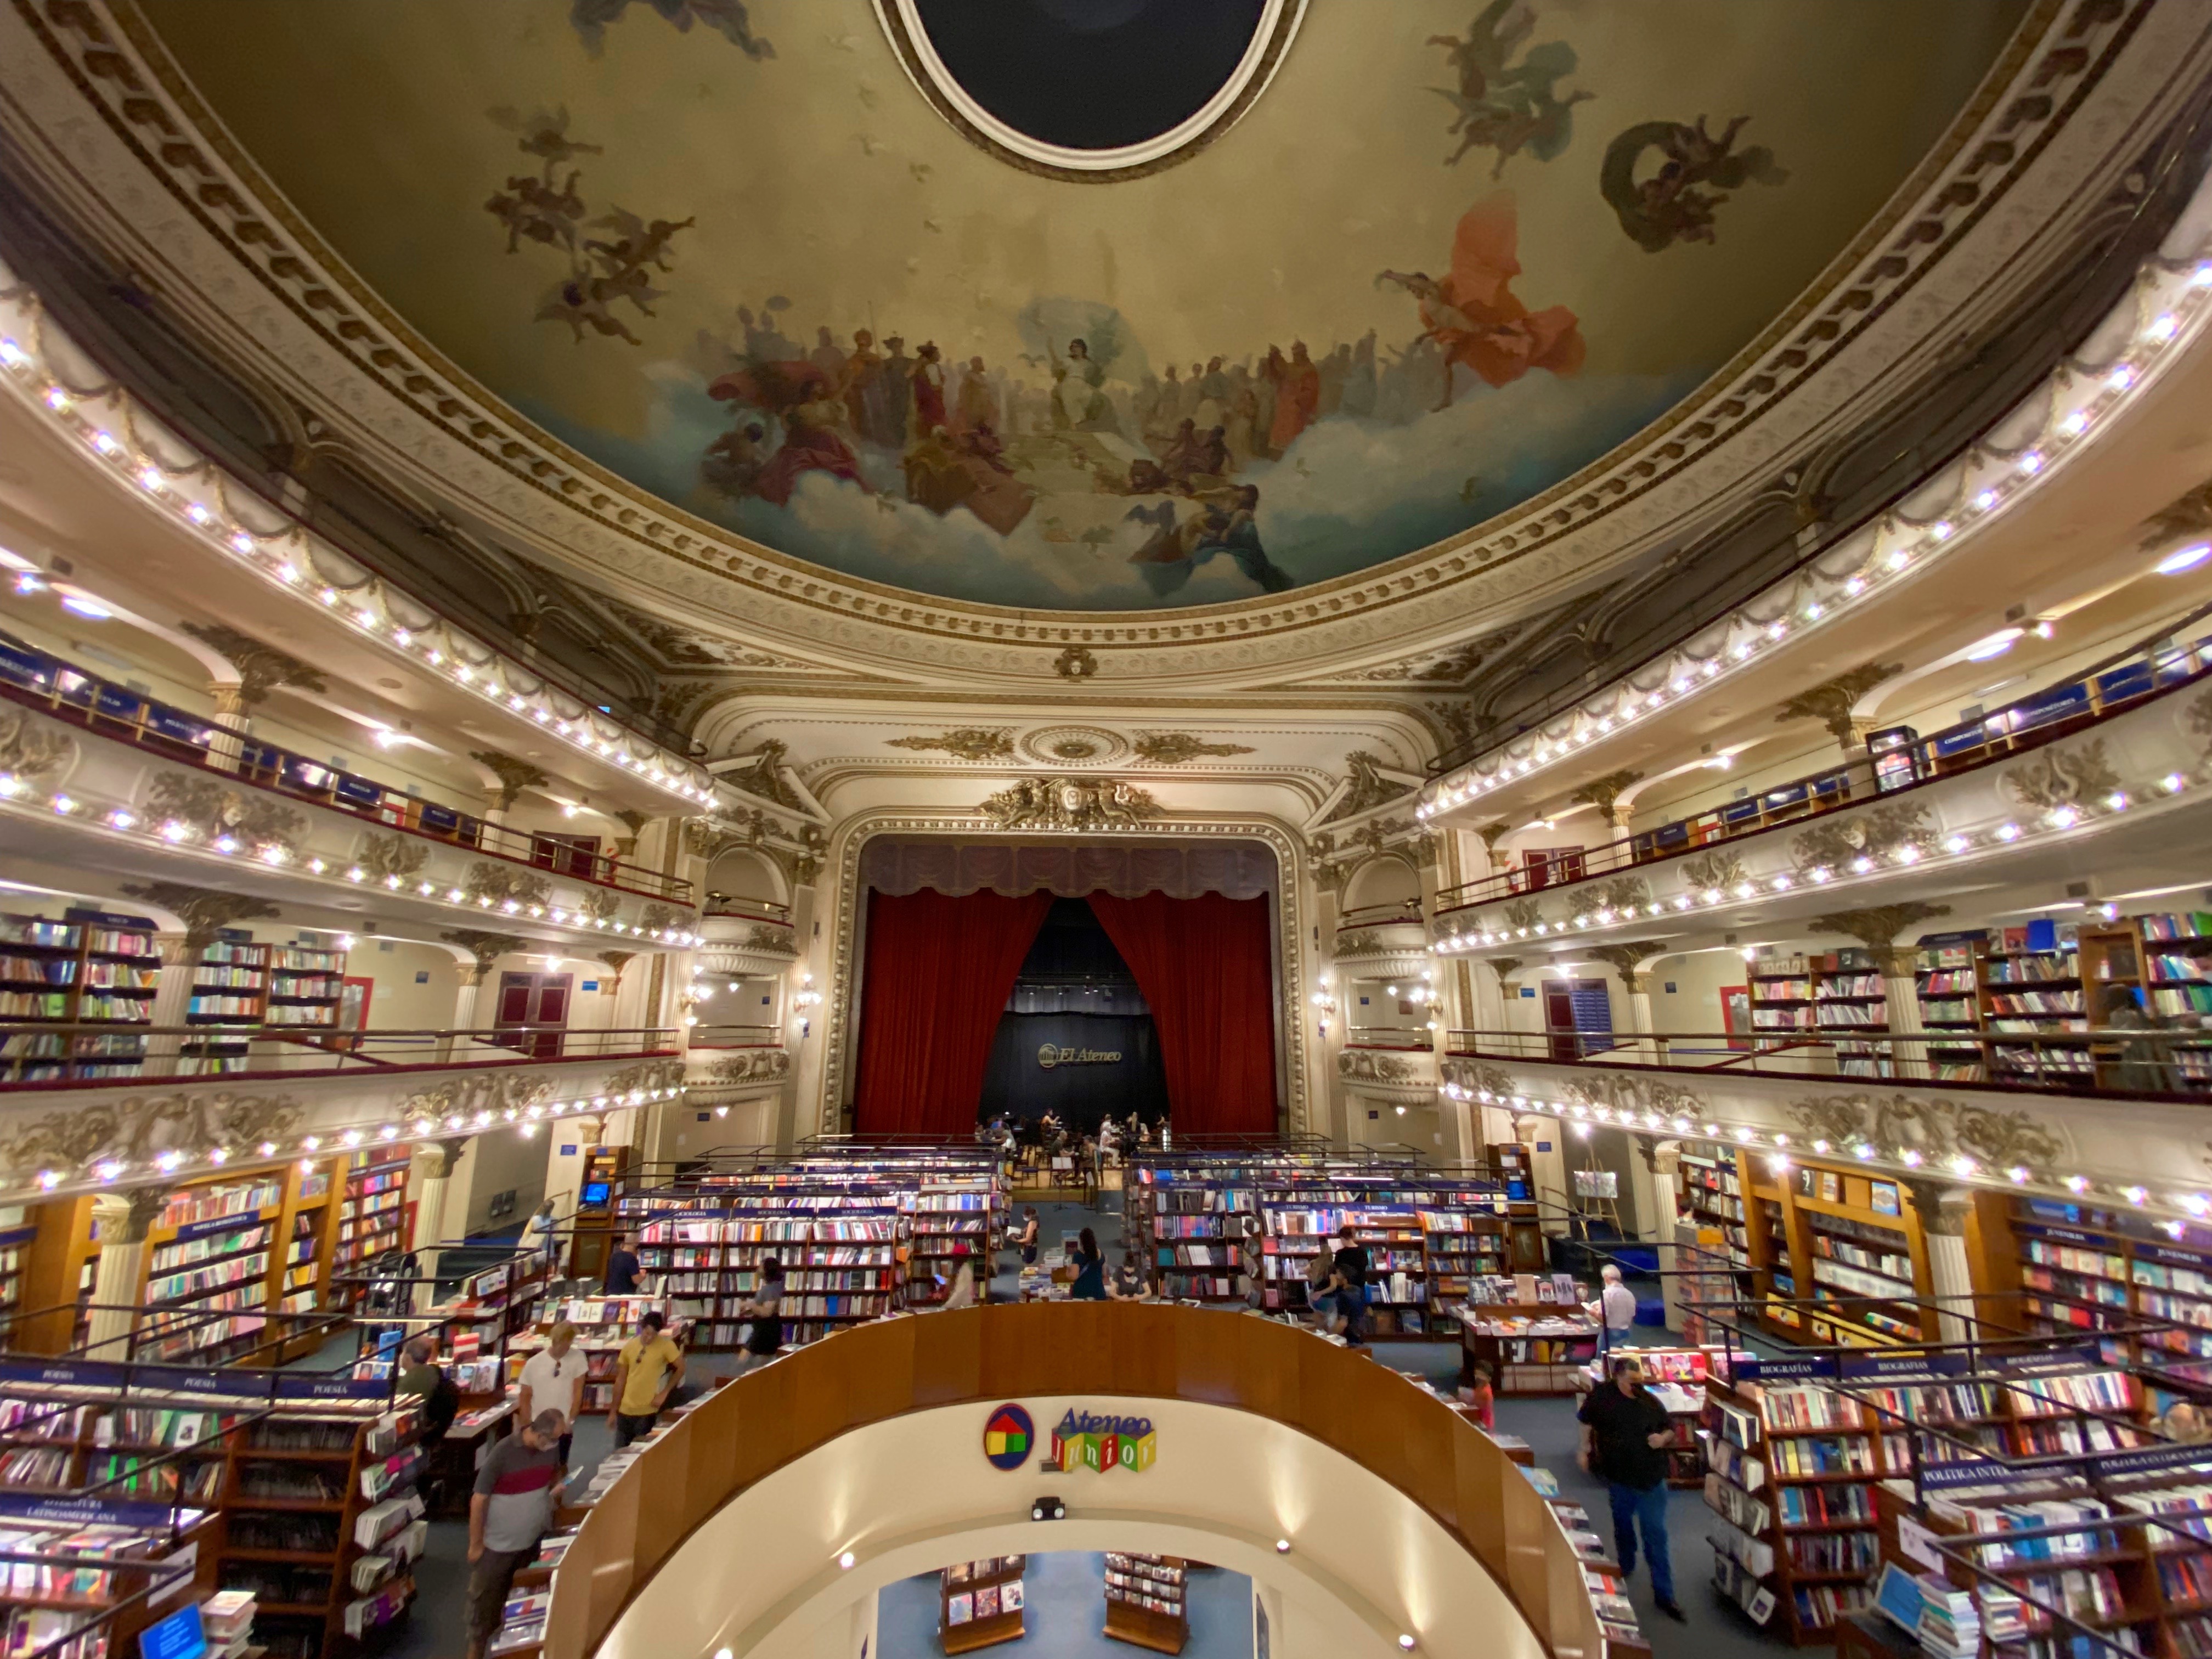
x=1615, y=1309
x=553, y=1380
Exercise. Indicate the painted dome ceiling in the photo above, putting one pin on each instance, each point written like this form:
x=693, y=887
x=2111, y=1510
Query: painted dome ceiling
x=1343, y=281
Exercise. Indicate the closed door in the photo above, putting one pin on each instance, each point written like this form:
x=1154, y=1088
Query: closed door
x=1560, y=1019
x=533, y=1012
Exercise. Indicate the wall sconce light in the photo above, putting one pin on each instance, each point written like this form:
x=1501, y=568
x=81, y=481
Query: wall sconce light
x=1324, y=1002
x=805, y=1000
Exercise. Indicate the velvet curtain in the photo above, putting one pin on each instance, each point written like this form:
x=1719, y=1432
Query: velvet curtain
x=1204, y=966
x=938, y=973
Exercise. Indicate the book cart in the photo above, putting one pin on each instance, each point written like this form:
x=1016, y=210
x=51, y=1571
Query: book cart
x=1145, y=1601
x=308, y=1476
x=980, y=1603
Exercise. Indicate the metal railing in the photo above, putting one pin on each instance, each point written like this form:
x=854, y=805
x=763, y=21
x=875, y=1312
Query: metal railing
x=2173, y=1063
x=1380, y=915
x=66, y=692
x=737, y=1036
x=749, y=909
x=1397, y=1038
x=36, y=1054
x=2121, y=683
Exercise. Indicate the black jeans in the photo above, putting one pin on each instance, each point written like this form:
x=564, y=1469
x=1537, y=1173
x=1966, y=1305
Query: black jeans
x=629, y=1428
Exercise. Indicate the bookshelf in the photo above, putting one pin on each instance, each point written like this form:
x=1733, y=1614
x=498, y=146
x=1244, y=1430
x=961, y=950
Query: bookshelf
x=372, y=1218
x=2032, y=985
x=981, y=1603
x=209, y=1255
x=1145, y=1604
x=1947, y=979
x=1535, y=1343
x=305, y=986
x=1836, y=994
x=230, y=988
x=1713, y=1196
x=1197, y=1232
x=943, y=1216
x=89, y=967
x=2083, y=1269
x=1850, y=1236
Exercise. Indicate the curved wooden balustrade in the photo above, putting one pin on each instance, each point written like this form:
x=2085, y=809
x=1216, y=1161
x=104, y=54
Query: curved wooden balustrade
x=983, y=1356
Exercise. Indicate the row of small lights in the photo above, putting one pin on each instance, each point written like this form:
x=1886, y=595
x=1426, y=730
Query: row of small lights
x=527, y=1119
x=434, y=648
x=2196, y=1204
x=174, y=833
x=2059, y=820
x=1630, y=706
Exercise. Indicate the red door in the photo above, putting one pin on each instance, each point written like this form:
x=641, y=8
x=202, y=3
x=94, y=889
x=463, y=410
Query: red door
x=1559, y=1020
x=532, y=1012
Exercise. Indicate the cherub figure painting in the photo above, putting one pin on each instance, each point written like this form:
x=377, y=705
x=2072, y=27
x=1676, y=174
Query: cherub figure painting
x=1673, y=204
x=1473, y=315
x=1503, y=105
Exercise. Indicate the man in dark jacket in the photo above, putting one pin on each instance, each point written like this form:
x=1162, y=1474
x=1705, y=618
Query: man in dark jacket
x=1626, y=1434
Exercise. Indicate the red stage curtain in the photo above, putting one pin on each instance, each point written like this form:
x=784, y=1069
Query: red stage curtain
x=1204, y=966
x=938, y=973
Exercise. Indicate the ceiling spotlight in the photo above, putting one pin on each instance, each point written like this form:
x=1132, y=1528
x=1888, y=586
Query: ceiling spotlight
x=2171, y=565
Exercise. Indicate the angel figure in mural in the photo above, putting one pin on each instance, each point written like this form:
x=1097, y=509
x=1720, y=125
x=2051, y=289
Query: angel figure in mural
x=1673, y=205
x=805, y=400
x=1224, y=522
x=1472, y=314
x=1503, y=105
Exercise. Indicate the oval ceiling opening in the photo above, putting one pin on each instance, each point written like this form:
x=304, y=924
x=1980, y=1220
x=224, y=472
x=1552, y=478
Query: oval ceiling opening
x=1092, y=74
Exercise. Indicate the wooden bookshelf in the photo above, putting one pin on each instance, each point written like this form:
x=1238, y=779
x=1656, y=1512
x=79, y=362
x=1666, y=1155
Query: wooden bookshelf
x=230, y=988
x=2032, y=986
x=373, y=1216
x=1948, y=979
x=967, y=1589
x=1146, y=1605
x=2083, y=1269
x=1838, y=995
x=90, y=968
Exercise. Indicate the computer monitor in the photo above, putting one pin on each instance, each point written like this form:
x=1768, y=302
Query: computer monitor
x=595, y=1194
x=180, y=1636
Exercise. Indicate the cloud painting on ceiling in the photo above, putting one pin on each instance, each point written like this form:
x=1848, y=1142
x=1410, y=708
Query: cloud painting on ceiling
x=726, y=249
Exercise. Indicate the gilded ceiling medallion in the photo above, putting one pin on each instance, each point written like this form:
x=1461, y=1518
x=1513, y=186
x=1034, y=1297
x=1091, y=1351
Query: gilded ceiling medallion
x=1073, y=745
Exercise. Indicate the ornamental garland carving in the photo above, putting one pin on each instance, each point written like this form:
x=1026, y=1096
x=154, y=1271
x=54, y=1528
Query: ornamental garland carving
x=1832, y=844
x=1714, y=871
x=33, y=752
x=967, y=743
x=141, y=1128
x=2078, y=777
x=1174, y=747
x=1366, y=1065
x=1938, y=1130
x=1476, y=1077
x=216, y=809
x=599, y=904
x=766, y=936
x=1069, y=804
x=1522, y=912
x=1360, y=942
x=754, y=1065
x=497, y=1092
x=1639, y=1097
x=391, y=856
x=646, y=1074
x=500, y=883
x=1622, y=893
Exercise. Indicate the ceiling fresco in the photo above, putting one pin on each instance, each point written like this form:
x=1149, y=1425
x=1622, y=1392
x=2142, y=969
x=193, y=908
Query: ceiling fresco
x=1454, y=252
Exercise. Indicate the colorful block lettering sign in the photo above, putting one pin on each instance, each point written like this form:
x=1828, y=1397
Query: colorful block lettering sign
x=1008, y=1434
x=1088, y=1440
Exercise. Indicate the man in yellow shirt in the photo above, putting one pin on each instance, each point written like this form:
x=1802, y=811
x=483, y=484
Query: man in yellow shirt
x=646, y=1371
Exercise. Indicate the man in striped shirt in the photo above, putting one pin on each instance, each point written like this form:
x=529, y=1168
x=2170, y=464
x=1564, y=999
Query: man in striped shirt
x=510, y=1512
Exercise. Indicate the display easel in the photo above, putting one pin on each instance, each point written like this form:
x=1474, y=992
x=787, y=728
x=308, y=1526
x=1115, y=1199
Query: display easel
x=1597, y=1192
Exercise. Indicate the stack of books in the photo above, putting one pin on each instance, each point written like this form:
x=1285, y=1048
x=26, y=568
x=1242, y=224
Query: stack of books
x=227, y=1619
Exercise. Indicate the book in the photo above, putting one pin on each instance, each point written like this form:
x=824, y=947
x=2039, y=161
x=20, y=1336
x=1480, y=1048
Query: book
x=959, y=1609
x=1010, y=1596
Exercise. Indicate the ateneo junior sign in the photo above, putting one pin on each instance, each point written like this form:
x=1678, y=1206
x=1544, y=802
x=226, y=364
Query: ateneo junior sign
x=1081, y=1439
x=1049, y=1056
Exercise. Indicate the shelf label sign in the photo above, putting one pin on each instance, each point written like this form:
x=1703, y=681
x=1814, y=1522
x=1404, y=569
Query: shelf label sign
x=1091, y=1441
x=1008, y=1434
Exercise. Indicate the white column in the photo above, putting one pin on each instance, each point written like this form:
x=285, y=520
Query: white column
x=232, y=727
x=1944, y=1211
x=123, y=1219
x=1649, y=1047
x=173, y=999
x=1901, y=994
x=465, y=1011
x=428, y=1173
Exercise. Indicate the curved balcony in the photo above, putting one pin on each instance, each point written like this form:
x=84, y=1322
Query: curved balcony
x=2108, y=756
x=68, y=694
x=861, y=1459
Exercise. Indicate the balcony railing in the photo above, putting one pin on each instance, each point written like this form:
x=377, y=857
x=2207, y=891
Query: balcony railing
x=749, y=909
x=1380, y=915
x=737, y=1036
x=1403, y=1039
x=2029, y=723
x=44, y=1055
x=2125, y=1062
x=67, y=693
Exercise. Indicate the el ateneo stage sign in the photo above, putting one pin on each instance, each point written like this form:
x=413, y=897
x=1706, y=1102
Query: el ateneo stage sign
x=1082, y=1066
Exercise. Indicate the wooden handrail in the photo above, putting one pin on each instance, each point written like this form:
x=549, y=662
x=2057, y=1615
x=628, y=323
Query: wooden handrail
x=873, y=1373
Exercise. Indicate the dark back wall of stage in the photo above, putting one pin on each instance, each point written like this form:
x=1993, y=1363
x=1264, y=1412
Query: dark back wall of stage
x=1015, y=1083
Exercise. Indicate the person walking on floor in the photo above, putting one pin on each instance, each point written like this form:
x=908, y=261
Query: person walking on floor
x=541, y=1233
x=1614, y=1309
x=765, y=1309
x=646, y=1371
x=553, y=1380
x=1348, y=1283
x=1028, y=1236
x=1626, y=1434
x=1090, y=1264
x=962, y=1292
x=508, y=1513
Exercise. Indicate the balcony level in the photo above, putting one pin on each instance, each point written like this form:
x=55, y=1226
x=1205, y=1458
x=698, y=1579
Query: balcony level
x=2101, y=771
x=100, y=776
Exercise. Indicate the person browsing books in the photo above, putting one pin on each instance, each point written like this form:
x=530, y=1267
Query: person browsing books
x=1614, y=1309
x=646, y=1371
x=1090, y=1264
x=962, y=1291
x=554, y=1379
x=508, y=1512
x=622, y=1269
x=1626, y=1435
x=764, y=1335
